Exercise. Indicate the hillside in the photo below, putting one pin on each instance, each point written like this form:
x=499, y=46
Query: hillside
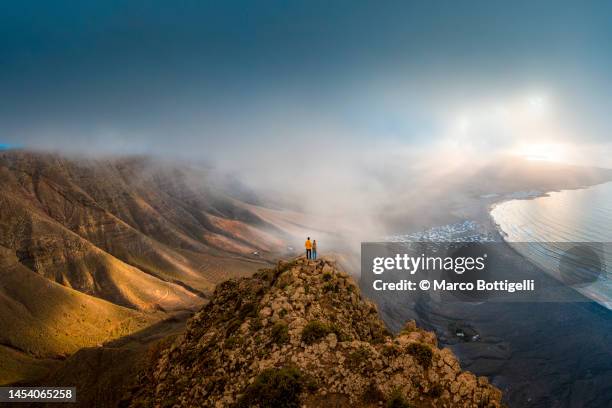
x=102, y=226
x=41, y=320
x=95, y=249
x=302, y=335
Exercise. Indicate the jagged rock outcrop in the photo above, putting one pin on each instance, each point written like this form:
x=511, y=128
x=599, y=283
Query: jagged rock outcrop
x=302, y=335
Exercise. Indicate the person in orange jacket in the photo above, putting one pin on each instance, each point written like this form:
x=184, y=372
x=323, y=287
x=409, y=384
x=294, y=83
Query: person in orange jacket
x=308, y=246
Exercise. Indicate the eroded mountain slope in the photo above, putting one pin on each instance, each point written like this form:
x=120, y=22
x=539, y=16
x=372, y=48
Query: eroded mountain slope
x=95, y=249
x=132, y=231
x=41, y=319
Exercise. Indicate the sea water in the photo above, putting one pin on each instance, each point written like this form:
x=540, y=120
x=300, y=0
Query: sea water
x=550, y=354
x=549, y=223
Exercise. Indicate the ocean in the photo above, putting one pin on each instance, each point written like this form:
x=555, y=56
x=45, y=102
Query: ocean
x=569, y=235
x=541, y=354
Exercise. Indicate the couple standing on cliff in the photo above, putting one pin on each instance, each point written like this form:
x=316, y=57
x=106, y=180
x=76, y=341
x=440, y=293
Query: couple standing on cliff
x=311, y=248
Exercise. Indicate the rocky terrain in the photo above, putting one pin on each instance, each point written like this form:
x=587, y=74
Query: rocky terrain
x=301, y=335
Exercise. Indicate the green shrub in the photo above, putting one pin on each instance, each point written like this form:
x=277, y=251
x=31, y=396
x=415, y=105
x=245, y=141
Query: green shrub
x=397, y=400
x=372, y=394
x=280, y=333
x=357, y=357
x=327, y=276
x=275, y=387
x=331, y=287
x=422, y=353
x=378, y=334
x=315, y=331
x=390, y=350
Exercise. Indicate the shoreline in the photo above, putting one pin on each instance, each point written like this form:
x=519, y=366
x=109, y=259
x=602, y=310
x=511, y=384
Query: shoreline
x=504, y=199
x=514, y=338
x=541, y=194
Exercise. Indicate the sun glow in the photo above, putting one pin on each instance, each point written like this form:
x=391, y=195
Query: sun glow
x=526, y=125
x=542, y=151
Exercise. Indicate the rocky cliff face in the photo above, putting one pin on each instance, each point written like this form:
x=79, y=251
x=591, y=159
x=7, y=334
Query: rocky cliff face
x=302, y=335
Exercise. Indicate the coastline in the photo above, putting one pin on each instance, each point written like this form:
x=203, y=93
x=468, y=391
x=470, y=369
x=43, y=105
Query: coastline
x=547, y=193
x=514, y=339
x=596, y=291
x=539, y=355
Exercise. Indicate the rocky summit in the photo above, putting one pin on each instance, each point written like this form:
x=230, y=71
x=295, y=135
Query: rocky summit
x=301, y=335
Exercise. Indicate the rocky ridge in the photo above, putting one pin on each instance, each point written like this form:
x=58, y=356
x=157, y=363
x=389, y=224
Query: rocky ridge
x=301, y=335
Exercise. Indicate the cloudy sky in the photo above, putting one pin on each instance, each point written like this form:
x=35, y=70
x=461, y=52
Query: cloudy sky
x=228, y=80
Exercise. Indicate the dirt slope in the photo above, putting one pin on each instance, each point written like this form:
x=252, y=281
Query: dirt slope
x=41, y=319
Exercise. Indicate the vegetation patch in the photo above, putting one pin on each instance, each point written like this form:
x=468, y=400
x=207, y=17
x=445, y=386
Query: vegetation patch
x=390, y=350
x=331, y=287
x=280, y=333
x=422, y=353
x=372, y=394
x=397, y=400
x=275, y=387
x=378, y=334
x=358, y=357
x=315, y=331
